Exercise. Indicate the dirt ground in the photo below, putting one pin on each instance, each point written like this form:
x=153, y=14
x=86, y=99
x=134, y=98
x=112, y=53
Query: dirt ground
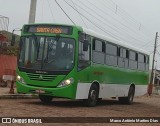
x=142, y=107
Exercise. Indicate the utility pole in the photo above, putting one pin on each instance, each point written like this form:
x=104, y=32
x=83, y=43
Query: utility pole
x=155, y=47
x=154, y=74
x=32, y=13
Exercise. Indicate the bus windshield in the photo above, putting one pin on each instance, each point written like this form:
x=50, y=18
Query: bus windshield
x=46, y=53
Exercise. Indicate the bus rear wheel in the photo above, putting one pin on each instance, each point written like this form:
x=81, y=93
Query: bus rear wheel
x=45, y=99
x=92, y=96
x=129, y=99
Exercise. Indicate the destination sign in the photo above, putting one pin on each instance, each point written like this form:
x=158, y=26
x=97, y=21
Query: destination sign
x=48, y=29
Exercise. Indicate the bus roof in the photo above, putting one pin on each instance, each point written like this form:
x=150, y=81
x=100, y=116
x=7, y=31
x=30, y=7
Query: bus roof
x=103, y=37
x=112, y=40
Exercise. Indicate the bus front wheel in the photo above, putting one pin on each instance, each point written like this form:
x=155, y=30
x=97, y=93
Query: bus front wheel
x=92, y=96
x=129, y=98
x=45, y=99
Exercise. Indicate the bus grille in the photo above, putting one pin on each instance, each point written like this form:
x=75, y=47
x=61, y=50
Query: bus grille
x=41, y=77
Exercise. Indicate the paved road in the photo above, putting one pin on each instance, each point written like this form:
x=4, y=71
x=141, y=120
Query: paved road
x=142, y=107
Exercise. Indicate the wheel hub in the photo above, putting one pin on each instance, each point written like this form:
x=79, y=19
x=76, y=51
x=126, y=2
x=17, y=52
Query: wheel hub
x=93, y=95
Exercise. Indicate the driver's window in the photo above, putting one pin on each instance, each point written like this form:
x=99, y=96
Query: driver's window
x=51, y=48
x=83, y=56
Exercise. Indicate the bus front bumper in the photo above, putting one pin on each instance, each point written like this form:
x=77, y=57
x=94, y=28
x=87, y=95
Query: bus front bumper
x=65, y=92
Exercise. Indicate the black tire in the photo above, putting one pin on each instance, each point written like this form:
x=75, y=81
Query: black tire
x=99, y=100
x=129, y=99
x=45, y=99
x=92, y=96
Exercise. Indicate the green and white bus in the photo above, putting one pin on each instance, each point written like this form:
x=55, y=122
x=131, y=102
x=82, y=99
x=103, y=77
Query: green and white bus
x=66, y=61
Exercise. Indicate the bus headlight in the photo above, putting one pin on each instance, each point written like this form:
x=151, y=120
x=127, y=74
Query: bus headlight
x=66, y=82
x=20, y=79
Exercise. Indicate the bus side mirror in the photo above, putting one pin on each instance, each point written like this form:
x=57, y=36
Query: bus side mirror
x=13, y=39
x=85, y=45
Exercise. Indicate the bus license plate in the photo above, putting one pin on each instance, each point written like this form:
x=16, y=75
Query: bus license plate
x=39, y=91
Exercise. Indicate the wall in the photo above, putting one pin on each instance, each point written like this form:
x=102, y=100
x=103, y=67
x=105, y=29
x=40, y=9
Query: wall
x=7, y=65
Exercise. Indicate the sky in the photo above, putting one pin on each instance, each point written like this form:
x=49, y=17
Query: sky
x=134, y=22
x=144, y=11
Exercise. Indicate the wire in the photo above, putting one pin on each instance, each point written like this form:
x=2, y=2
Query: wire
x=102, y=29
x=158, y=53
x=79, y=14
x=50, y=9
x=64, y=12
x=113, y=28
x=147, y=44
x=42, y=10
x=94, y=23
x=124, y=15
x=118, y=21
x=128, y=15
x=156, y=49
x=151, y=52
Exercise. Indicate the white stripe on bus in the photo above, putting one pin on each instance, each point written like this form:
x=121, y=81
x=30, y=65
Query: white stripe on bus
x=109, y=90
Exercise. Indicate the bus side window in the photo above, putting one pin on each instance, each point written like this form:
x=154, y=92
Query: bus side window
x=111, y=54
x=147, y=63
x=93, y=45
x=127, y=54
x=98, y=51
x=126, y=57
x=121, y=60
x=83, y=56
x=132, y=60
x=141, y=62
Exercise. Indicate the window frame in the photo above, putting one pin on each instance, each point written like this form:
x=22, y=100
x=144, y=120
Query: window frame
x=94, y=49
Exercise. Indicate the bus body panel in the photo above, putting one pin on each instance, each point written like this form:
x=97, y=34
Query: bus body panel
x=66, y=92
x=113, y=81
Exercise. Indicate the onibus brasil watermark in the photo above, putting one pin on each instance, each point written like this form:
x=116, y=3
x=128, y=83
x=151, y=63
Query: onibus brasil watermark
x=79, y=119
x=21, y=120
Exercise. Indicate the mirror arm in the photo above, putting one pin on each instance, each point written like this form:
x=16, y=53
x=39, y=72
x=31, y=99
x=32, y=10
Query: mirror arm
x=13, y=35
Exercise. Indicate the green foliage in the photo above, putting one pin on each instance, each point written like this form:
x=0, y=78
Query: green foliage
x=9, y=36
x=10, y=50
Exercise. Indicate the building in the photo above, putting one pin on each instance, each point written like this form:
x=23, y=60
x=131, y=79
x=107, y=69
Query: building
x=4, y=42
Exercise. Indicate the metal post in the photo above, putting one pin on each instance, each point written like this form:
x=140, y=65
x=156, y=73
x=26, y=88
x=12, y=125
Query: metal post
x=32, y=14
x=13, y=36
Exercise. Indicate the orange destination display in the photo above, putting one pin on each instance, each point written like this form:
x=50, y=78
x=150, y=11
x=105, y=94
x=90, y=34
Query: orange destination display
x=48, y=29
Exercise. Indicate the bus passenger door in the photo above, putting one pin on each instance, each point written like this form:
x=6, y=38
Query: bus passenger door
x=83, y=85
